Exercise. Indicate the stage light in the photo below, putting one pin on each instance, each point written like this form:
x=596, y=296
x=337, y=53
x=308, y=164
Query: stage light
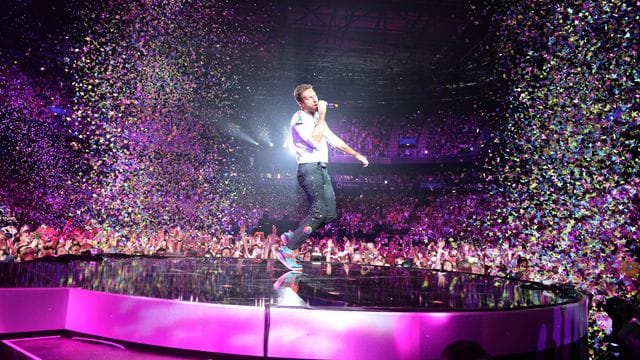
x=264, y=135
x=235, y=130
x=291, y=149
x=288, y=144
x=286, y=135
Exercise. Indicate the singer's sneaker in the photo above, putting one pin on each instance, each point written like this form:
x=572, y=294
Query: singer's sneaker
x=285, y=239
x=286, y=255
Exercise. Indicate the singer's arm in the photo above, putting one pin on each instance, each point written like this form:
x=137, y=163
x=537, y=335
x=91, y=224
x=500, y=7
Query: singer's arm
x=339, y=144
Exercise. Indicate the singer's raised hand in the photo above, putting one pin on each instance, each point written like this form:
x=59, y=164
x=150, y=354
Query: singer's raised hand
x=322, y=107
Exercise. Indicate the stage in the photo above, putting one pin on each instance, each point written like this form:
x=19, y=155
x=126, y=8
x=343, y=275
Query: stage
x=244, y=307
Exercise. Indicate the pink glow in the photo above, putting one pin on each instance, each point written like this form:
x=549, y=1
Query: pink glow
x=171, y=323
x=19, y=349
x=295, y=332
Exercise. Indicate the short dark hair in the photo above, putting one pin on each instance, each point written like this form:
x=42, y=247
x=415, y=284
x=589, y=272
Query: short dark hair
x=297, y=92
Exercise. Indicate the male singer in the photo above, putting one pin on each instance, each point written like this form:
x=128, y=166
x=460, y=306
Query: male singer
x=311, y=134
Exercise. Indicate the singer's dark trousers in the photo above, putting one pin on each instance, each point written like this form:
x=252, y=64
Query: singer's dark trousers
x=316, y=183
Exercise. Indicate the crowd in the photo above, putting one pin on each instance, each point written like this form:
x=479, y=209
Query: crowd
x=434, y=136
x=432, y=242
x=448, y=134
x=441, y=135
x=369, y=135
x=385, y=229
x=405, y=178
x=386, y=249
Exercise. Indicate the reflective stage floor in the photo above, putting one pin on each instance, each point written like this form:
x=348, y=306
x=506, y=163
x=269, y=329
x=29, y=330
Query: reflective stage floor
x=256, y=308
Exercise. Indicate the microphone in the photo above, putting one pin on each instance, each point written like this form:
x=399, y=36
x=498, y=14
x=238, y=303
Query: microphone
x=332, y=106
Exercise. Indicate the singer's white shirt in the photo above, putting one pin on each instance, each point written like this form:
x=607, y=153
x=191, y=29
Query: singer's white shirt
x=302, y=125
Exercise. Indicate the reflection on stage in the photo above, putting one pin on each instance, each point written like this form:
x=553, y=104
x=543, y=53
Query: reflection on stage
x=258, y=282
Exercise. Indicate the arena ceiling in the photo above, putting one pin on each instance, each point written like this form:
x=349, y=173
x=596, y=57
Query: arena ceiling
x=388, y=51
x=371, y=51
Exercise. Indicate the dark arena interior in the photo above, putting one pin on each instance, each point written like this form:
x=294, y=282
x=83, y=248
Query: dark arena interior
x=153, y=175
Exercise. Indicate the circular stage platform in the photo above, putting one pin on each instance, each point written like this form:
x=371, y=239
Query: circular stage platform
x=256, y=308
